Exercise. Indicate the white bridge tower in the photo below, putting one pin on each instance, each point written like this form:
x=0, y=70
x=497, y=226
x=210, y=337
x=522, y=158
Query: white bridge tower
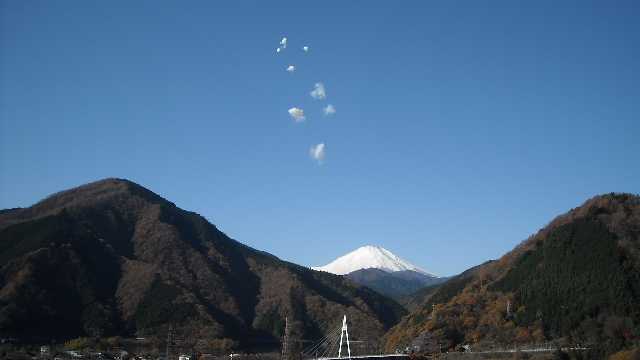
x=344, y=331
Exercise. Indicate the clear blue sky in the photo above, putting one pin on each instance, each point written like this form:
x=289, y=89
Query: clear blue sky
x=461, y=128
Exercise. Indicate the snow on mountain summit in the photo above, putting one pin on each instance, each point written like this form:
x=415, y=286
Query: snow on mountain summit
x=368, y=257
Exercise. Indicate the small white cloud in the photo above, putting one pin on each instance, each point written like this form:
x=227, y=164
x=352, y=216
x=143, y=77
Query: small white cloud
x=305, y=48
x=297, y=114
x=291, y=68
x=329, y=110
x=283, y=42
x=318, y=92
x=317, y=152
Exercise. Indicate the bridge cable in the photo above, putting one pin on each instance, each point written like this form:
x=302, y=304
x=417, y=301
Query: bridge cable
x=321, y=343
x=325, y=344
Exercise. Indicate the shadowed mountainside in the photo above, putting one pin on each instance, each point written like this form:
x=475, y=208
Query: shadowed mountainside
x=393, y=284
x=113, y=258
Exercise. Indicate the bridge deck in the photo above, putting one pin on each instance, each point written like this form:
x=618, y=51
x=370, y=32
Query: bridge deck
x=377, y=357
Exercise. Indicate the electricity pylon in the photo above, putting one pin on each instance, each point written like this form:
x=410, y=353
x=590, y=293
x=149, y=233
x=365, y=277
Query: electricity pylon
x=285, y=341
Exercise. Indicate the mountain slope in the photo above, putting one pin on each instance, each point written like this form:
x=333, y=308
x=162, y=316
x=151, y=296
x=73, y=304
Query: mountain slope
x=393, y=284
x=450, y=286
x=576, y=280
x=112, y=257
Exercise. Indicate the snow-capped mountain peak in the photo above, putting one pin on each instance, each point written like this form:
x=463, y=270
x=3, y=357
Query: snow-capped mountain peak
x=368, y=257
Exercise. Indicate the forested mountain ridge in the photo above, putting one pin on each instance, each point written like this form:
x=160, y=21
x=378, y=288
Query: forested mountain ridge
x=113, y=258
x=396, y=284
x=419, y=298
x=577, y=280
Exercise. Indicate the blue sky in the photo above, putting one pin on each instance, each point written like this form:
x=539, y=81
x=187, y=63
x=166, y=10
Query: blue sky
x=461, y=127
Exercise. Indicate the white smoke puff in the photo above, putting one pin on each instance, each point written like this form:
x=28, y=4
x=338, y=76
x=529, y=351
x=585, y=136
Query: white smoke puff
x=329, y=110
x=318, y=92
x=291, y=68
x=297, y=114
x=305, y=48
x=317, y=152
x=283, y=42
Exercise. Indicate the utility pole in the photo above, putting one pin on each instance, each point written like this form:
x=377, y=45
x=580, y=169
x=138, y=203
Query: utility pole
x=344, y=331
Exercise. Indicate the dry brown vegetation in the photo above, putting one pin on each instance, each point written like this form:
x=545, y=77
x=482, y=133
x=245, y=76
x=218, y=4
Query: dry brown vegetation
x=113, y=258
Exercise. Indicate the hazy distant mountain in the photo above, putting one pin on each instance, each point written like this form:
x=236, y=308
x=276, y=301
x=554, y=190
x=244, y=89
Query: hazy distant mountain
x=381, y=270
x=112, y=257
x=578, y=280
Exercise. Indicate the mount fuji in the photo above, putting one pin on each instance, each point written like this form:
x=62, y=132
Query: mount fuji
x=382, y=271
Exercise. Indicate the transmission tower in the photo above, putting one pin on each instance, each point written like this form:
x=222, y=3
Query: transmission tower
x=285, y=340
x=170, y=343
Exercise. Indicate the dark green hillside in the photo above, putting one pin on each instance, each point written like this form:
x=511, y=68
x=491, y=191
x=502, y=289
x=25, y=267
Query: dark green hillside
x=579, y=273
x=576, y=281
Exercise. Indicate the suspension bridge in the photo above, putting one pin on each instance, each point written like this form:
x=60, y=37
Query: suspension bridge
x=333, y=346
